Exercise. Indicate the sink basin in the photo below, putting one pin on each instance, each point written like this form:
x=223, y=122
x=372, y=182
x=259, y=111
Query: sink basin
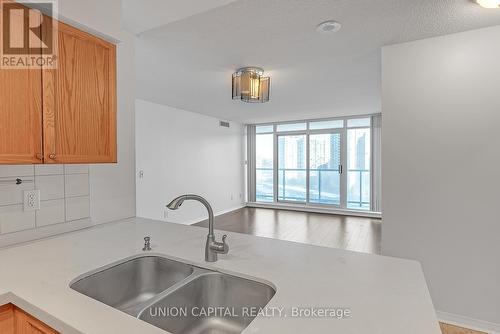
x=146, y=287
x=126, y=285
x=232, y=296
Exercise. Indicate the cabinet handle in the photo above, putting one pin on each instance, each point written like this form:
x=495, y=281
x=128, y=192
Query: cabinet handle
x=52, y=156
x=39, y=156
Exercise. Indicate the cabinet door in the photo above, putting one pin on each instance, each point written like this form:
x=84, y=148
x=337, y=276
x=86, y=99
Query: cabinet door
x=26, y=324
x=7, y=319
x=21, y=113
x=79, y=113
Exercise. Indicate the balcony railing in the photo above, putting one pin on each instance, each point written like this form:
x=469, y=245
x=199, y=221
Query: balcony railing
x=320, y=195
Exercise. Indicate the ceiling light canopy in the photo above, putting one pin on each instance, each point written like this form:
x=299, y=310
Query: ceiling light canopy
x=249, y=85
x=489, y=3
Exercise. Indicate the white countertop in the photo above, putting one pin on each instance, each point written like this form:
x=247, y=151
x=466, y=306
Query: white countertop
x=385, y=295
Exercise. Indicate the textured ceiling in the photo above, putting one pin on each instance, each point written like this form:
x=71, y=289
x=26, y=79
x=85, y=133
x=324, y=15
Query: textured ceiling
x=143, y=15
x=188, y=63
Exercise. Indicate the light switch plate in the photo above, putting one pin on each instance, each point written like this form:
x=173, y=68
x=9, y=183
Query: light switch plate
x=31, y=200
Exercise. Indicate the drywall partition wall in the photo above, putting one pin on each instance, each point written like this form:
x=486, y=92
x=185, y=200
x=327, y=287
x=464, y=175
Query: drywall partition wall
x=180, y=152
x=441, y=158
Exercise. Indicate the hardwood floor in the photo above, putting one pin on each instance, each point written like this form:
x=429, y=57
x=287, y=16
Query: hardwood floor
x=351, y=233
x=450, y=329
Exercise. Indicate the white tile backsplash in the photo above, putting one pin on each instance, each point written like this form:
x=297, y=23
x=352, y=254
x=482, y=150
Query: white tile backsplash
x=14, y=219
x=16, y=170
x=76, y=185
x=49, y=169
x=50, y=186
x=77, y=208
x=10, y=193
x=51, y=212
x=76, y=169
x=64, y=195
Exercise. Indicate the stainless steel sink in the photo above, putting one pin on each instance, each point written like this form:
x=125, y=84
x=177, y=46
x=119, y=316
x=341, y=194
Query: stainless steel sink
x=127, y=285
x=177, y=297
x=209, y=303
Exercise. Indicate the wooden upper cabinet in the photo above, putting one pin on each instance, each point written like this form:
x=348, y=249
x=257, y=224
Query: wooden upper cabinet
x=21, y=114
x=79, y=100
x=65, y=114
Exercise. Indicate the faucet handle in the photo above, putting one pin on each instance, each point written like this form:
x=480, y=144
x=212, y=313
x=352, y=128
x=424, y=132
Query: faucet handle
x=225, y=245
x=147, y=244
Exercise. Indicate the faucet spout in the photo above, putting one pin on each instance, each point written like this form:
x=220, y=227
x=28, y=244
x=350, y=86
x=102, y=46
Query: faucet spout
x=212, y=247
x=176, y=203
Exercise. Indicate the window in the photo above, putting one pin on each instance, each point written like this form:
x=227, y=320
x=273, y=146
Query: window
x=358, y=122
x=335, y=124
x=264, y=157
x=292, y=168
x=358, y=168
x=321, y=162
x=264, y=129
x=291, y=127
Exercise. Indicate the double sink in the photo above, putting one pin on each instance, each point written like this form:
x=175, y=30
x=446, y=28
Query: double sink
x=177, y=297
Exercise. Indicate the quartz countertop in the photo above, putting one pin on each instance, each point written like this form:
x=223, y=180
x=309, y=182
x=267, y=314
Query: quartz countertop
x=384, y=295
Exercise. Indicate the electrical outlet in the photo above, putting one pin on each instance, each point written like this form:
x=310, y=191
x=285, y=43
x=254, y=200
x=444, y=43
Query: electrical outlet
x=31, y=200
x=232, y=197
x=165, y=214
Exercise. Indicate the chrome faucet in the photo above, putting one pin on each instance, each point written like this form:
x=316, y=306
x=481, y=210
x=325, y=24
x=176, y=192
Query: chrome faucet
x=212, y=247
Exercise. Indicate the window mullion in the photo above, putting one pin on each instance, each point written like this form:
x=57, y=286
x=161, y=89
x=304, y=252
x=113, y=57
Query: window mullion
x=275, y=166
x=307, y=168
x=343, y=162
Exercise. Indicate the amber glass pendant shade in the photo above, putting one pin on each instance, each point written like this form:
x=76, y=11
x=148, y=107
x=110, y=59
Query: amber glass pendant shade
x=249, y=85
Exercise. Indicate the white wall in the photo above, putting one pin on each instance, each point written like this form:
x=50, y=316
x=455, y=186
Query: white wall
x=182, y=152
x=441, y=176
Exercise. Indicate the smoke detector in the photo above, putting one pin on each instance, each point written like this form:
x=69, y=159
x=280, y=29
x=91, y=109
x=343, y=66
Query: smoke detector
x=328, y=27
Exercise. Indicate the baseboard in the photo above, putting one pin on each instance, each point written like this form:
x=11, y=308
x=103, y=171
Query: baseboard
x=218, y=213
x=470, y=323
x=315, y=209
x=241, y=206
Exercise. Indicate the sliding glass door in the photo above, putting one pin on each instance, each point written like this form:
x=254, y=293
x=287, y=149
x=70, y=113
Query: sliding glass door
x=310, y=168
x=325, y=168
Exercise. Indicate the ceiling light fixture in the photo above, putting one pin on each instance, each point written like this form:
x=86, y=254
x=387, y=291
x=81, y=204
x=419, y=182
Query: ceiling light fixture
x=328, y=27
x=489, y=3
x=249, y=85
